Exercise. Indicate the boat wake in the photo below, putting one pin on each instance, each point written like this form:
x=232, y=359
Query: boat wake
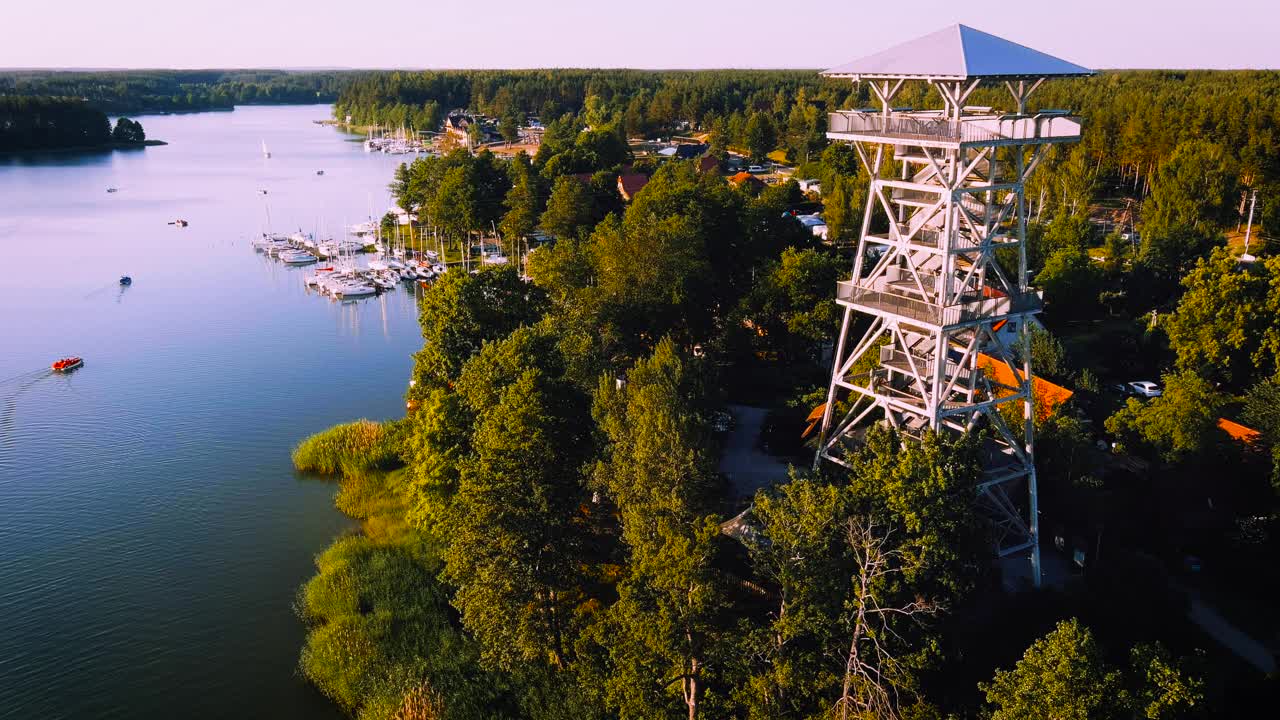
x=20, y=384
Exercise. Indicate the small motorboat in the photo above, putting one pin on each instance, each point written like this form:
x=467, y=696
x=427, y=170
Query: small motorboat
x=126, y=280
x=319, y=172
x=180, y=222
x=263, y=192
x=67, y=363
x=111, y=190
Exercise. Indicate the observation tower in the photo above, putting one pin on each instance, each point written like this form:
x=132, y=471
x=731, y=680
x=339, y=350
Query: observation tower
x=935, y=331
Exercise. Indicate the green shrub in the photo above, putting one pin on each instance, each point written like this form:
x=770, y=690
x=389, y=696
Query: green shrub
x=352, y=448
x=379, y=623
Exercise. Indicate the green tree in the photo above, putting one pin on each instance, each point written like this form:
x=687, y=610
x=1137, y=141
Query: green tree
x=760, y=136
x=1119, y=252
x=804, y=132
x=509, y=125
x=1262, y=412
x=1163, y=689
x=800, y=549
x=1071, y=281
x=514, y=544
x=439, y=438
x=455, y=209
x=128, y=131
x=1221, y=319
x=1180, y=423
x=569, y=208
x=790, y=307
x=1062, y=676
x=1195, y=187
x=1066, y=231
x=840, y=210
x=925, y=491
x=523, y=200
x=1048, y=355
x=460, y=312
x=659, y=472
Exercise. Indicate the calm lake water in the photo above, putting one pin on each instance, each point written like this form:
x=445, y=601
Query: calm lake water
x=153, y=532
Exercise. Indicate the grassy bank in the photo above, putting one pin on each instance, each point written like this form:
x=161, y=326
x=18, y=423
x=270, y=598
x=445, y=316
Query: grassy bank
x=351, y=448
x=379, y=621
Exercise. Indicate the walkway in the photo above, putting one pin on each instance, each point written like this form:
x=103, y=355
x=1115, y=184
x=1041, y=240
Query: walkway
x=747, y=467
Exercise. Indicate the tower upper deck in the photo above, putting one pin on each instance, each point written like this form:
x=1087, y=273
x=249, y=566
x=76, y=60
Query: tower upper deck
x=956, y=60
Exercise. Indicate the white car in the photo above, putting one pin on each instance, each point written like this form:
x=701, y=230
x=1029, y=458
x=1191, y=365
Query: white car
x=757, y=169
x=1145, y=388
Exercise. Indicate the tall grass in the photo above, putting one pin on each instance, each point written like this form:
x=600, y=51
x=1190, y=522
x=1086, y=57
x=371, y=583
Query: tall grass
x=379, y=621
x=352, y=448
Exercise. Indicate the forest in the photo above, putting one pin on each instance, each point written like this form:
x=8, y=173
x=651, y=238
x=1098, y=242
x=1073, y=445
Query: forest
x=154, y=91
x=43, y=123
x=547, y=534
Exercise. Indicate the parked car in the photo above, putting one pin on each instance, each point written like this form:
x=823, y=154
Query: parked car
x=1120, y=389
x=1145, y=388
x=757, y=169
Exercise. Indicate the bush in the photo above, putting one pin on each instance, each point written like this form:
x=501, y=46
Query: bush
x=352, y=448
x=380, y=624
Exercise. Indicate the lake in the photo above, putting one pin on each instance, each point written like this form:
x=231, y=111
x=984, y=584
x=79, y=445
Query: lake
x=153, y=531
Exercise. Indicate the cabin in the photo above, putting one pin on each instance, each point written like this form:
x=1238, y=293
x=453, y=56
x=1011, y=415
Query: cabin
x=747, y=180
x=631, y=183
x=810, y=185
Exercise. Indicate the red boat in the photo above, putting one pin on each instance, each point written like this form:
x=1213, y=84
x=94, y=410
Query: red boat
x=67, y=363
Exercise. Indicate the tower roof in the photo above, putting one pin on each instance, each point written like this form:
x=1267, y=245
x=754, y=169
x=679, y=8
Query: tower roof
x=957, y=52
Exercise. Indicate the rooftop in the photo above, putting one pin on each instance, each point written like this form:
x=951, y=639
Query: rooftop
x=956, y=53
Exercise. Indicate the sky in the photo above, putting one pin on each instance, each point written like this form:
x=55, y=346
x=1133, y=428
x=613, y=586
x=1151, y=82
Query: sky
x=416, y=34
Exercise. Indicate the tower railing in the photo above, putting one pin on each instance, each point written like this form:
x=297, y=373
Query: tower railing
x=933, y=126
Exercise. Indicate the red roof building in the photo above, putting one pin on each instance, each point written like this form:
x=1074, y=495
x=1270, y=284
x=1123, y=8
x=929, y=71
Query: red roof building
x=746, y=179
x=1246, y=435
x=631, y=183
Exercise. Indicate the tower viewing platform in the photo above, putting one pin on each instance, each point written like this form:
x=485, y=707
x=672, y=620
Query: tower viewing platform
x=929, y=306
x=932, y=128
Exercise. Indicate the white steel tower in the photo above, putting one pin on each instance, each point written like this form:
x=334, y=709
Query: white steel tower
x=935, y=333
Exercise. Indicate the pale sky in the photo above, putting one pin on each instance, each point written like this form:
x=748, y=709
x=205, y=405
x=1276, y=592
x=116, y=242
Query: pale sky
x=615, y=33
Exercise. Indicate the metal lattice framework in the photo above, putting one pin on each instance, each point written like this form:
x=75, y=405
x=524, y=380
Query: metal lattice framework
x=935, y=333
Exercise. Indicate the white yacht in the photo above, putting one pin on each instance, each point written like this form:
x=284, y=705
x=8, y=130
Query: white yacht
x=354, y=290
x=297, y=257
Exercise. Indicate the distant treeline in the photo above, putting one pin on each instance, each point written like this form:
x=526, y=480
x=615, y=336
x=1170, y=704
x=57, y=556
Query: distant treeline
x=1134, y=119
x=51, y=123
x=136, y=91
x=649, y=100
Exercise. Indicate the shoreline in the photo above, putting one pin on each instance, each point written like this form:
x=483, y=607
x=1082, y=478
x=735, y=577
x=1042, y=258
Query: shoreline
x=107, y=147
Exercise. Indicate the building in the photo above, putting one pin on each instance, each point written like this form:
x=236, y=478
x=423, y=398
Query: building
x=926, y=294
x=458, y=128
x=631, y=183
x=1240, y=433
x=744, y=178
